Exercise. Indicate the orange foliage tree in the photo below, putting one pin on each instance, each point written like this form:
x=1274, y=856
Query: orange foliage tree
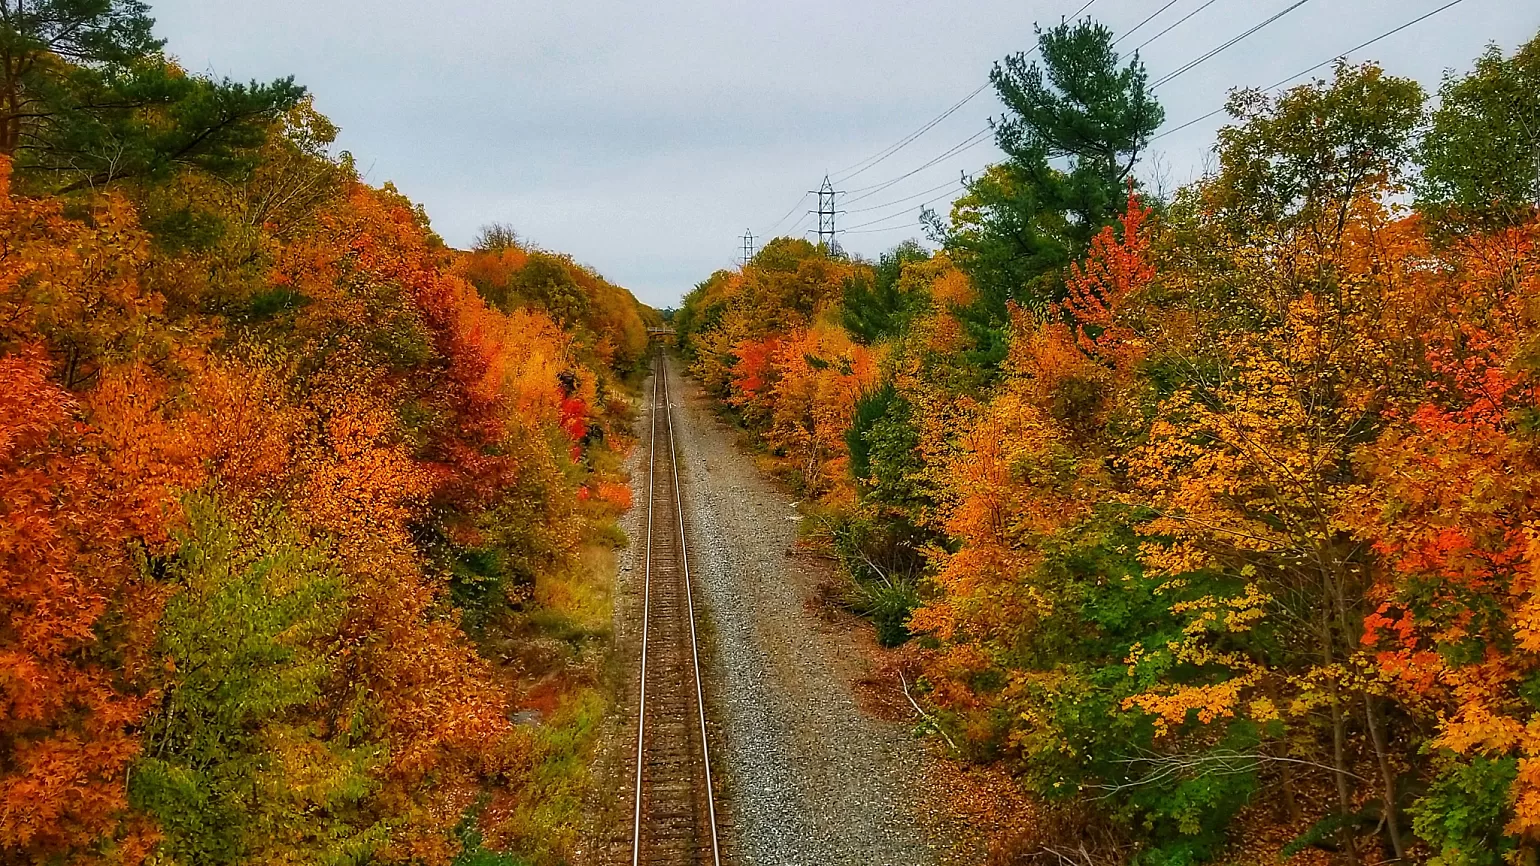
x=382, y=462
x=78, y=614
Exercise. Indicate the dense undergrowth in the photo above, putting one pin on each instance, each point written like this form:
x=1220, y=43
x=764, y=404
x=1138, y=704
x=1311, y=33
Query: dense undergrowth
x=1211, y=517
x=306, y=519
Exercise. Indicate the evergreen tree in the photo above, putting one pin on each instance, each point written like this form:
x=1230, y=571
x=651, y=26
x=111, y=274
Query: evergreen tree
x=87, y=98
x=1074, y=130
x=874, y=307
x=1083, y=108
x=36, y=36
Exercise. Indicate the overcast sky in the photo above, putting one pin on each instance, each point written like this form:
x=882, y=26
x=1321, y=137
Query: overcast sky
x=644, y=138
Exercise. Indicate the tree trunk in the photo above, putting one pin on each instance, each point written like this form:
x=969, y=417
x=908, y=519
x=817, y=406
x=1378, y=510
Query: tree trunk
x=1290, y=800
x=1392, y=811
x=10, y=97
x=71, y=366
x=1345, y=834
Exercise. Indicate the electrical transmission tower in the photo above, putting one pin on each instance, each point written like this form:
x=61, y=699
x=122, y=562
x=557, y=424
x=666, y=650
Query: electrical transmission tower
x=748, y=246
x=826, y=213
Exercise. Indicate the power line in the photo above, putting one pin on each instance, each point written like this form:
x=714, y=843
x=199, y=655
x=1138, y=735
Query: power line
x=847, y=173
x=976, y=138
x=904, y=199
x=957, y=184
x=792, y=232
x=1205, y=57
x=950, y=186
x=826, y=221
x=871, y=162
x=968, y=143
x=1082, y=9
x=786, y=215
x=1179, y=22
x=892, y=228
x=863, y=228
x=1153, y=16
x=1301, y=74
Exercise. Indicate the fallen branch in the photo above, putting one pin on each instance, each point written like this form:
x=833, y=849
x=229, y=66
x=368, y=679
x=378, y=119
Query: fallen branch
x=927, y=716
x=1225, y=762
x=1082, y=858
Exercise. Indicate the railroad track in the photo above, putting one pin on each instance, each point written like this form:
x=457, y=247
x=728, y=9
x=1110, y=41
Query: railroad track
x=675, y=819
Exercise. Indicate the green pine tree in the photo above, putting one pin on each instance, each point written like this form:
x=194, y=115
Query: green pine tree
x=1074, y=129
x=88, y=99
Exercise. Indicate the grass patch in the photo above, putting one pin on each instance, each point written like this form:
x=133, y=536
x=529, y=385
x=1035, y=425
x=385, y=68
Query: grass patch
x=557, y=645
x=582, y=595
x=545, y=827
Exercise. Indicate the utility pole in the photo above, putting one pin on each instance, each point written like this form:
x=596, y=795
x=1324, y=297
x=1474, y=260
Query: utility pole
x=826, y=213
x=748, y=246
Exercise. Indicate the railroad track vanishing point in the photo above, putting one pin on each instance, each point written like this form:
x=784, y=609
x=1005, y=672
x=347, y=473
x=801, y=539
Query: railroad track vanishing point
x=675, y=819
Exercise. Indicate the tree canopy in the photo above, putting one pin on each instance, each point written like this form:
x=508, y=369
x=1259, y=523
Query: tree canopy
x=87, y=100
x=1077, y=119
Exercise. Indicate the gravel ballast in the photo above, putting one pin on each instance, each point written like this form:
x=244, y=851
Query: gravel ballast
x=808, y=778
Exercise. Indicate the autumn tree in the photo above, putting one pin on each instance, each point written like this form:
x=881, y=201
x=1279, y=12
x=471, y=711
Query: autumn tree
x=1452, y=627
x=496, y=236
x=77, y=289
x=87, y=508
x=236, y=765
x=601, y=315
x=1248, y=463
x=1301, y=161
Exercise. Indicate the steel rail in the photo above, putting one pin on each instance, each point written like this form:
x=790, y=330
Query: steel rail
x=660, y=387
x=641, y=702
x=684, y=559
